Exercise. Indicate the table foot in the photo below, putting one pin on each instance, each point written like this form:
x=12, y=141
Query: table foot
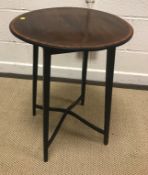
x=84, y=76
x=108, y=91
x=35, y=75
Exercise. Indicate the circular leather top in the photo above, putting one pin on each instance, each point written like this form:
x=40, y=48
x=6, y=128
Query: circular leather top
x=71, y=28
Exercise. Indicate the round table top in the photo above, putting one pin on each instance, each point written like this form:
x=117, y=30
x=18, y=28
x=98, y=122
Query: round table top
x=71, y=28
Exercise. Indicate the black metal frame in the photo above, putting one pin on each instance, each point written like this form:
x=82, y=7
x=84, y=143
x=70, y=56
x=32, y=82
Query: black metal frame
x=81, y=99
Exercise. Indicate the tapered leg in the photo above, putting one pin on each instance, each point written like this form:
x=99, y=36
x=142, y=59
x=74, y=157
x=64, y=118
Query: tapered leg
x=84, y=75
x=46, y=100
x=35, y=74
x=108, y=91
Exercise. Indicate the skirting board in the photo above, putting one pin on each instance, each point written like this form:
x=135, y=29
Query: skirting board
x=78, y=81
x=93, y=75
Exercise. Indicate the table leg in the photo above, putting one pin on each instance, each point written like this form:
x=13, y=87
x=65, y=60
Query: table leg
x=108, y=91
x=35, y=74
x=84, y=75
x=46, y=100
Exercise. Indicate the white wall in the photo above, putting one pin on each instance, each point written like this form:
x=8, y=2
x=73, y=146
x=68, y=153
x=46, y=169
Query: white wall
x=131, y=61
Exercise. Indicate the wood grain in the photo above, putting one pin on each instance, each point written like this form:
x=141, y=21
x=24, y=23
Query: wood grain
x=71, y=28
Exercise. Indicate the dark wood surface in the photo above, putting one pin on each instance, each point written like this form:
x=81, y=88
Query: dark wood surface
x=71, y=28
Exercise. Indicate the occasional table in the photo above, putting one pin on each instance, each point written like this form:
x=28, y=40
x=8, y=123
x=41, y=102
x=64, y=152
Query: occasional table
x=65, y=30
